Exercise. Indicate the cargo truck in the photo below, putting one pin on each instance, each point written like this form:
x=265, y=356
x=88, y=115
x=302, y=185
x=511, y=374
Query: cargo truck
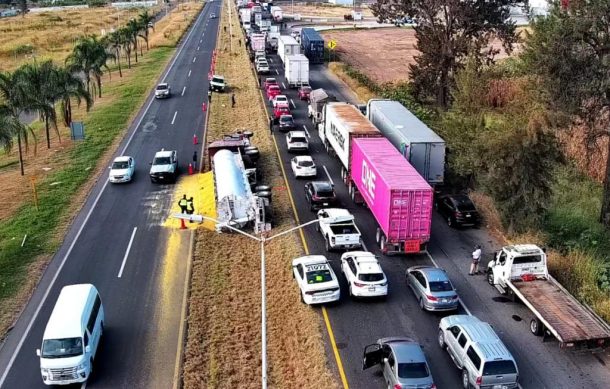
x=521, y=271
x=296, y=70
x=398, y=197
x=287, y=45
x=421, y=146
x=245, y=15
x=343, y=122
x=277, y=13
x=318, y=98
x=257, y=42
x=313, y=45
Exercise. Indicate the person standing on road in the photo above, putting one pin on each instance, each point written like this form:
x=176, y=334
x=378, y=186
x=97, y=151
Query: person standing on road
x=271, y=126
x=195, y=160
x=476, y=258
x=232, y=100
x=190, y=207
x=183, y=203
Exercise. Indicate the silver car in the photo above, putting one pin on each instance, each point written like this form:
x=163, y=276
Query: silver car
x=432, y=288
x=402, y=361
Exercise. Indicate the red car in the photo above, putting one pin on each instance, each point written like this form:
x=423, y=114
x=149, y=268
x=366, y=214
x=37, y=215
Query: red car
x=269, y=81
x=304, y=92
x=272, y=91
x=279, y=111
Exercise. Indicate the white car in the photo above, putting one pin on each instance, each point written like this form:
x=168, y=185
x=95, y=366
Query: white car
x=122, y=169
x=363, y=274
x=262, y=67
x=163, y=91
x=279, y=100
x=316, y=279
x=303, y=166
x=297, y=141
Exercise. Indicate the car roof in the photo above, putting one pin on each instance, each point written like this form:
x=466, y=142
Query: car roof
x=432, y=273
x=162, y=84
x=368, y=264
x=296, y=133
x=303, y=158
x=274, y=86
x=310, y=260
x=122, y=158
x=218, y=76
x=407, y=351
x=66, y=320
x=321, y=185
x=270, y=79
x=164, y=153
x=285, y=116
x=280, y=96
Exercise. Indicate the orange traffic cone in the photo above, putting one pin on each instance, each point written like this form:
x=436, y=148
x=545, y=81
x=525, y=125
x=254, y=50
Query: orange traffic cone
x=195, y=140
x=182, y=225
x=190, y=169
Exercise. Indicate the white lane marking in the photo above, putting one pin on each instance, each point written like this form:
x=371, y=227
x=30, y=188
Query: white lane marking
x=461, y=301
x=197, y=48
x=189, y=73
x=276, y=72
x=174, y=119
x=200, y=40
x=328, y=175
x=283, y=85
x=269, y=60
x=306, y=132
x=293, y=104
x=133, y=235
x=183, y=90
x=194, y=59
x=82, y=226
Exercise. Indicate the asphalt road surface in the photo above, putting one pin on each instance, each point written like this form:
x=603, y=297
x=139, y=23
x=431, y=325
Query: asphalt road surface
x=118, y=244
x=358, y=323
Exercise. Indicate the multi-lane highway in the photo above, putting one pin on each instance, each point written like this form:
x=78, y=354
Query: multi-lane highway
x=358, y=323
x=118, y=244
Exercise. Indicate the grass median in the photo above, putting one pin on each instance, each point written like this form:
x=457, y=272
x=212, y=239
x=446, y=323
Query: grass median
x=224, y=337
x=29, y=236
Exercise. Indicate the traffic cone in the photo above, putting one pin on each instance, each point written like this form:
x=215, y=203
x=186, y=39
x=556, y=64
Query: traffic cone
x=190, y=169
x=204, y=107
x=182, y=225
x=195, y=140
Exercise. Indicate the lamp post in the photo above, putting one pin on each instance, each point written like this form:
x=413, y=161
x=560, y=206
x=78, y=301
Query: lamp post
x=262, y=240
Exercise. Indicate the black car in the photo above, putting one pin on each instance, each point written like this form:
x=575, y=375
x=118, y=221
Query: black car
x=458, y=210
x=320, y=194
x=286, y=123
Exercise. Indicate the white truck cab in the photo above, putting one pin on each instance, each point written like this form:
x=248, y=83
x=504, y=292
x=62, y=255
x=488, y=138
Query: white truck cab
x=72, y=336
x=514, y=262
x=338, y=228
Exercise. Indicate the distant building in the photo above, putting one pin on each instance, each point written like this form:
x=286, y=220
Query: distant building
x=341, y=2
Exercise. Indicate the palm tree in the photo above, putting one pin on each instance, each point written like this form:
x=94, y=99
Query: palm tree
x=12, y=106
x=133, y=29
x=127, y=42
x=115, y=41
x=89, y=57
x=70, y=87
x=145, y=20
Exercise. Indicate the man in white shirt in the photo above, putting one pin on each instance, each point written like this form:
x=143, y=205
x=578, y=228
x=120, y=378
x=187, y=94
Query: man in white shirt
x=476, y=258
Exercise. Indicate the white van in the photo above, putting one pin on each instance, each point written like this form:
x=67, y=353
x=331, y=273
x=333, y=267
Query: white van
x=72, y=336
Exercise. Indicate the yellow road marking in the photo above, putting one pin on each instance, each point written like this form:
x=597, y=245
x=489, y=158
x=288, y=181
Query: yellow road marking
x=331, y=335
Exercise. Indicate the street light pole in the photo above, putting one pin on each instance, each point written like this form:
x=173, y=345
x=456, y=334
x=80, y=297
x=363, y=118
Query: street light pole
x=262, y=240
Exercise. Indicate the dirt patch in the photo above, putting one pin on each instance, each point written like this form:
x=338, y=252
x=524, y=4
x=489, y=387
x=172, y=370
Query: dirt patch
x=383, y=54
x=223, y=340
x=325, y=10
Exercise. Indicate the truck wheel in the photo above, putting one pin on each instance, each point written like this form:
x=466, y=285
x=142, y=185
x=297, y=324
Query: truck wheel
x=536, y=327
x=441, y=339
x=490, y=277
x=327, y=244
x=449, y=221
x=421, y=304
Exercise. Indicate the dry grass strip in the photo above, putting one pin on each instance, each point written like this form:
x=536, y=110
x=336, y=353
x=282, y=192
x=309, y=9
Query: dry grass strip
x=223, y=341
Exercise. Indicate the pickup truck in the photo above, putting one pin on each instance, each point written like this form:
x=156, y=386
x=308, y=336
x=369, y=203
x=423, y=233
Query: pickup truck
x=217, y=83
x=520, y=271
x=338, y=229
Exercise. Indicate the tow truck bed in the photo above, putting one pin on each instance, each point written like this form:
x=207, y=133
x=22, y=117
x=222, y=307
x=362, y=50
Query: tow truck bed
x=569, y=320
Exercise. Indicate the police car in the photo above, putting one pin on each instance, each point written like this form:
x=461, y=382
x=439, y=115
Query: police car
x=316, y=279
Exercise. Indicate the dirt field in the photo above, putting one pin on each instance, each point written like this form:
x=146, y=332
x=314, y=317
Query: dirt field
x=384, y=54
x=324, y=11
x=223, y=339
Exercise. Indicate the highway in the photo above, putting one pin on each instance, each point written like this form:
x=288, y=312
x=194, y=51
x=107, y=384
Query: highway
x=117, y=243
x=356, y=324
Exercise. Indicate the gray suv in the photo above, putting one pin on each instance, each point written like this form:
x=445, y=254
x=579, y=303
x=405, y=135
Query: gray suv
x=164, y=166
x=480, y=354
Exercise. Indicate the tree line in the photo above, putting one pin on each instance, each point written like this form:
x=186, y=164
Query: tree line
x=501, y=119
x=47, y=88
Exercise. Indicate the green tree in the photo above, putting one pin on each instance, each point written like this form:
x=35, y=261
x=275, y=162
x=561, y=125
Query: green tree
x=570, y=51
x=126, y=44
x=145, y=20
x=12, y=105
x=447, y=31
x=115, y=41
x=89, y=57
x=70, y=87
x=133, y=32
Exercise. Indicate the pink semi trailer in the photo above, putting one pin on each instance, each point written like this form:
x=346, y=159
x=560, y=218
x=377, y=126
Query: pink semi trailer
x=399, y=198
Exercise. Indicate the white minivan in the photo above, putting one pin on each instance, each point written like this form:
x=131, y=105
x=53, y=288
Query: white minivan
x=72, y=336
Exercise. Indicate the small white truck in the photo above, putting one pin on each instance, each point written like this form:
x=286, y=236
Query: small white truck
x=520, y=271
x=338, y=229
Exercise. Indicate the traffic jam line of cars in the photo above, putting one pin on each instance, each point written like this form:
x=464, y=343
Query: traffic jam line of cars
x=372, y=143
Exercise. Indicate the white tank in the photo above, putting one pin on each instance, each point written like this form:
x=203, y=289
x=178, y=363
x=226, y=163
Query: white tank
x=233, y=195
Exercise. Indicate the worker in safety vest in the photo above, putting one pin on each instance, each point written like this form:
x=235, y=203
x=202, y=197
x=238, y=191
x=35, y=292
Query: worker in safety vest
x=183, y=204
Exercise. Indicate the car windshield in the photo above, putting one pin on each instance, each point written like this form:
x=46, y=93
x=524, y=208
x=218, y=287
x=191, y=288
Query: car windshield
x=286, y=119
x=306, y=163
x=527, y=259
x=499, y=368
x=440, y=286
x=318, y=276
x=120, y=165
x=274, y=88
x=162, y=161
x=298, y=139
x=370, y=277
x=62, y=348
x=281, y=98
x=413, y=370
x=271, y=81
x=218, y=80
x=161, y=87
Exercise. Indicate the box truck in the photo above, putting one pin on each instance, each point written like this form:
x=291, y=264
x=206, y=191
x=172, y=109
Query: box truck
x=421, y=146
x=245, y=15
x=343, y=122
x=257, y=42
x=277, y=13
x=296, y=70
x=318, y=98
x=287, y=45
x=313, y=45
x=399, y=198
